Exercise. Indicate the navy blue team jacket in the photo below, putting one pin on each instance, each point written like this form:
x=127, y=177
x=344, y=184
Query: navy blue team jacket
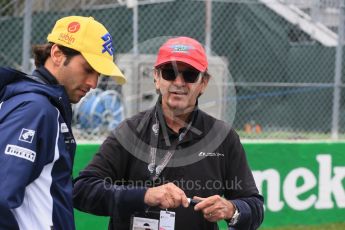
x=37, y=149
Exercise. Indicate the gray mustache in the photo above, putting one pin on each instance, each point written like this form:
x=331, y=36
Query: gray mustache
x=177, y=90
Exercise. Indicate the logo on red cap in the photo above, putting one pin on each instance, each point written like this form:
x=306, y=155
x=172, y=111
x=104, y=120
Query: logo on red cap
x=73, y=27
x=181, y=48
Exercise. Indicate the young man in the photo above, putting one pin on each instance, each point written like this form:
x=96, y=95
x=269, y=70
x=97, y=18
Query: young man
x=159, y=157
x=37, y=146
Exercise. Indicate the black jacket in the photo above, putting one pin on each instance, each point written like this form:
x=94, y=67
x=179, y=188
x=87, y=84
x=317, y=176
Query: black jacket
x=209, y=160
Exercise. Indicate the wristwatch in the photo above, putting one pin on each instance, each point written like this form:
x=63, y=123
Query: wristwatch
x=235, y=218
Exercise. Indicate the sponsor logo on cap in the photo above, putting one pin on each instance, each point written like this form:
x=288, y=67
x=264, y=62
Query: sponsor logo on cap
x=65, y=37
x=108, y=44
x=27, y=135
x=20, y=152
x=73, y=27
x=181, y=48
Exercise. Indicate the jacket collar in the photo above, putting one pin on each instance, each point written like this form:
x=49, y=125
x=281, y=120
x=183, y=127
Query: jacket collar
x=44, y=74
x=23, y=83
x=196, y=131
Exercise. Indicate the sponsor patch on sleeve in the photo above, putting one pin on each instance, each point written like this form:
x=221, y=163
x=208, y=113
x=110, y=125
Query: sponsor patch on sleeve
x=27, y=135
x=64, y=128
x=20, y=152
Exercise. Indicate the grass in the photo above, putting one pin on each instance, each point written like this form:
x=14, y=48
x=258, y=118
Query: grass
x=333, y=226
x=87, y=221
x=285, y=135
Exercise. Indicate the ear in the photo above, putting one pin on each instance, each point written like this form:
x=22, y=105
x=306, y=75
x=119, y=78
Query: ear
x=57, y=56
x=204, y=83
x=156, y=78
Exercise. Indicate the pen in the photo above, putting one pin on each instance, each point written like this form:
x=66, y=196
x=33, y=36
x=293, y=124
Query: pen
x=193, y=202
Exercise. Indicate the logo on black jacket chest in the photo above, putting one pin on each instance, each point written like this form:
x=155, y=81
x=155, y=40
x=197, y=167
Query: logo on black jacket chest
x=204, y=154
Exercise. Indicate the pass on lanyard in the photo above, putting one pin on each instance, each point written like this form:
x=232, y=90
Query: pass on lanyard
x=166, y=221
x=144, y=223
x=155, y=171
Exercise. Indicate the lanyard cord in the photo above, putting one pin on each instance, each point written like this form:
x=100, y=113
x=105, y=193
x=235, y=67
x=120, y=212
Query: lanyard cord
x=155, y=170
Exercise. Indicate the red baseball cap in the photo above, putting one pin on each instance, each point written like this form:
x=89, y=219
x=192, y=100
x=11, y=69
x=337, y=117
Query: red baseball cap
x=183, y=49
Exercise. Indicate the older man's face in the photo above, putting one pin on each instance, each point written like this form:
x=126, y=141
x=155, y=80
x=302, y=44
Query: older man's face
x=179, y=94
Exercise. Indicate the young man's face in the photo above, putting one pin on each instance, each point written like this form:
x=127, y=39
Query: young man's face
x=77, y=76
x=179, y=94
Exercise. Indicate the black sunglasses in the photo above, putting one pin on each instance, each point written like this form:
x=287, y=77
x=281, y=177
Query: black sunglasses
x=189, y=76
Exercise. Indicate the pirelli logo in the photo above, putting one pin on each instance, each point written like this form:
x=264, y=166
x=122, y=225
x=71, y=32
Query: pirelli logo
x=21, y=152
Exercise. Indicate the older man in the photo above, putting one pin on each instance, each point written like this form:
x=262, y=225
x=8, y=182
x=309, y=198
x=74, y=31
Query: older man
x=161, y=157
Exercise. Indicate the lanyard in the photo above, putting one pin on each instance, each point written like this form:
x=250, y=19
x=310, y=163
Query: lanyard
x=155, y=170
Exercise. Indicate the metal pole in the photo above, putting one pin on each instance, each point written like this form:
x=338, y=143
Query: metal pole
x=208, y=26
x=337, y=76
x=27, y=36
x=134, y=5
x=135, y=64
x=135, y=28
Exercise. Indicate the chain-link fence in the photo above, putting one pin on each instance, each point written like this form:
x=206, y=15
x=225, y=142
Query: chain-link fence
x=277, y=65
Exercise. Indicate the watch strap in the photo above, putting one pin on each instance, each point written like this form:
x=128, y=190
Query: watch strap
x=235, y=217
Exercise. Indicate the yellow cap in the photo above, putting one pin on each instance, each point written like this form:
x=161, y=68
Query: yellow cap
x=91, y=39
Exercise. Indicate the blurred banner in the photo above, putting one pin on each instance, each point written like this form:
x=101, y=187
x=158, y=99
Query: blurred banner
x=303, y=183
